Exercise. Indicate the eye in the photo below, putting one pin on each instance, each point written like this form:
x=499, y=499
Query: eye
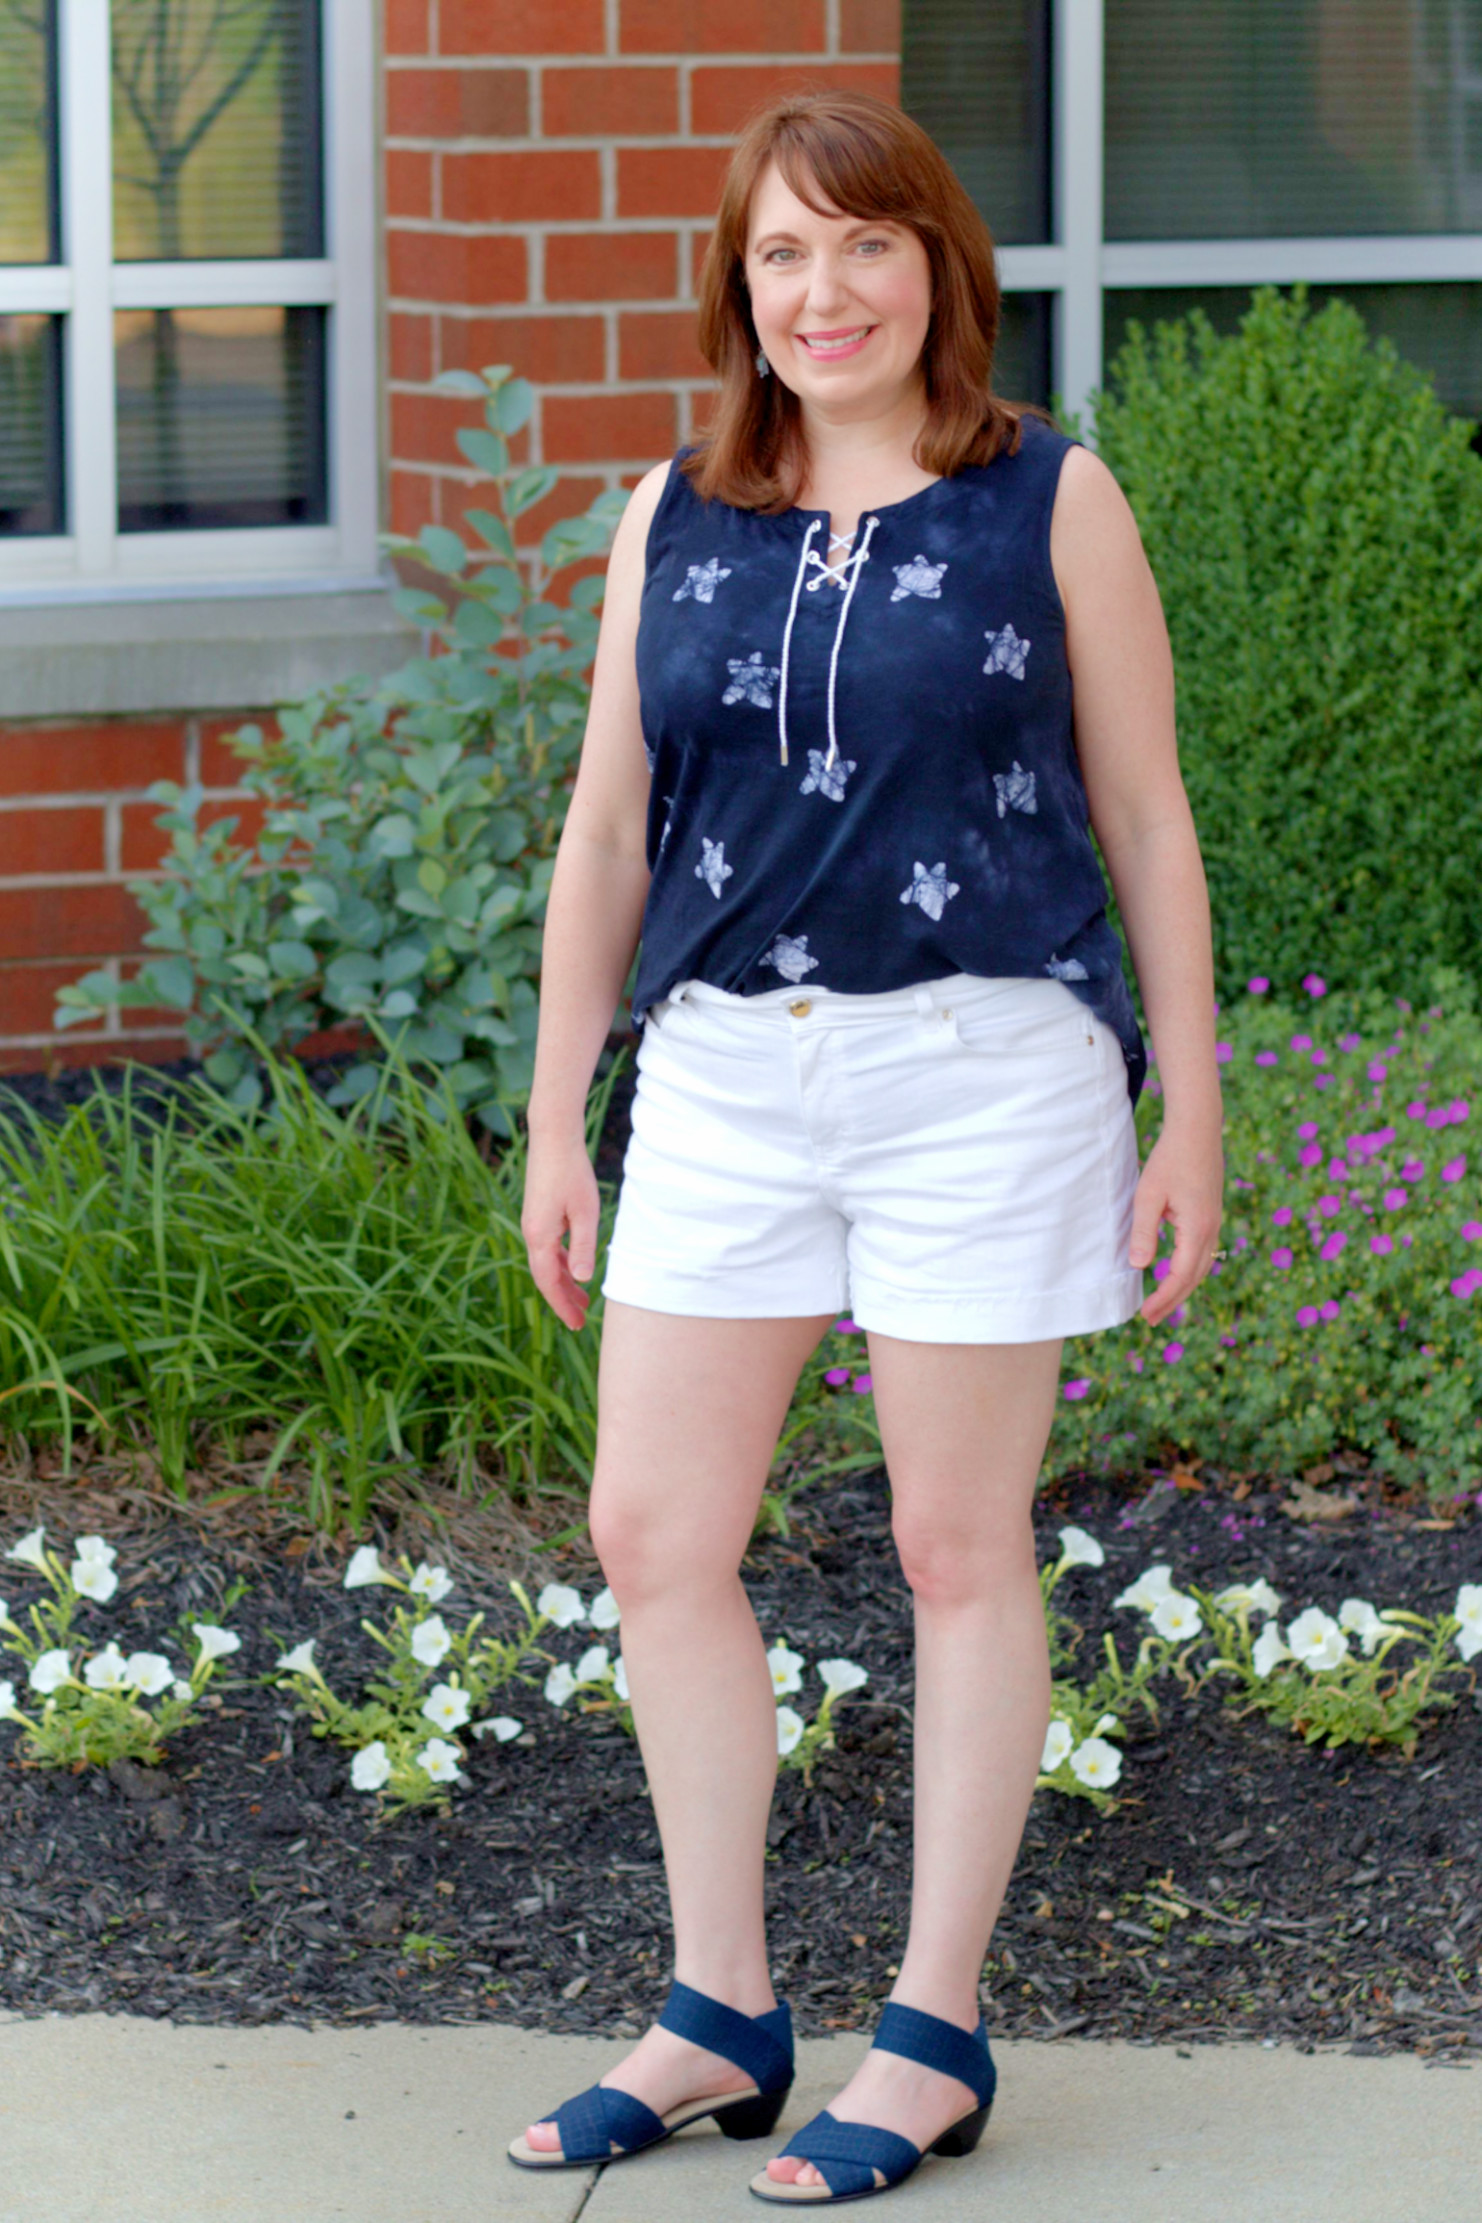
x=872, y=246
x=773, y=252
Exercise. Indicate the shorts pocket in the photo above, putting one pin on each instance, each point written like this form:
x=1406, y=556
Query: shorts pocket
x=1037, y=1019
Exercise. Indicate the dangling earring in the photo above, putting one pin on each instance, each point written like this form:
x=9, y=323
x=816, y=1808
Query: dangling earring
x=763, y=367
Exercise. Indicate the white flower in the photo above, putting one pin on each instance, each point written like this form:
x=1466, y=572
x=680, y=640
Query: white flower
x=1359, y=1618
x=182, y=1692
x=592, y=1667
x=1058, y=1741
x=5, y=1614
x=789, y=1729
x=559, y=1684
x=841, y=1675
x=440, y=1760
x=148, y=1672
x=431, y=1642
x=561, y=1604
x=1077, y=1549
x=7, y=1700
x=447, y=1707
x=371, y=1767
x=106, y=1670
x=620, y=1680
x=1468, y=1611
x=1153, y=1584
x=1256, y=1597
x=431, y=1583
x=604, y=1613
x=51, y=1670
x=1316, y=1640
x=1105, y=1725
x=1096, y=1763
x=215, y=1643
x=1268, y=1648
x=365, y=1567
x=93, y=1578
x=300, y=1661
x=29, y=1551
x=787, y=1668
x=502, y=1727
x=1176, y=1617
x=95, y=1548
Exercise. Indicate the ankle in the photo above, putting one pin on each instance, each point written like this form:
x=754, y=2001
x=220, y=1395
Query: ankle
x=748, y=1990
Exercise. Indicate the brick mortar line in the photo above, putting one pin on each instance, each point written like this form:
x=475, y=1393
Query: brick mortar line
x=86, y=799
x=535, y=227
x=753, y=58
x=681, y=142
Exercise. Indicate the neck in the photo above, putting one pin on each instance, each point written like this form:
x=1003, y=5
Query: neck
x=864, y=440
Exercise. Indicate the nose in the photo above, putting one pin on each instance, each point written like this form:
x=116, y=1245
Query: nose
x=826, y=287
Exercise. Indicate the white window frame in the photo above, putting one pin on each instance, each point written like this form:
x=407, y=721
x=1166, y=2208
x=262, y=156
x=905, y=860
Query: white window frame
x=1082, y=265
x=92, y=560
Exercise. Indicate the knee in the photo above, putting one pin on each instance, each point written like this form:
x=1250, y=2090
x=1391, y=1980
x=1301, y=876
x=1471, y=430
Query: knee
x=644, y=1553
x=950, y=1565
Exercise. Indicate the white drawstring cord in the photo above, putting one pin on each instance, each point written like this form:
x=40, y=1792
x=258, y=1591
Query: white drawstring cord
x=854, y=566
x=787, y=639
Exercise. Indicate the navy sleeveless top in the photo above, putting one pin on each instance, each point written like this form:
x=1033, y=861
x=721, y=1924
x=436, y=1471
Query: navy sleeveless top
x=866, y=785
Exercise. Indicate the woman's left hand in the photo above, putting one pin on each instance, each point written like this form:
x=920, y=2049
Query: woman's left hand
x=1182, y=1182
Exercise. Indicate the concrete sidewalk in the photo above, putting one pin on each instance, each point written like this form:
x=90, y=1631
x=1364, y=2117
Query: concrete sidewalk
x=105, y=2119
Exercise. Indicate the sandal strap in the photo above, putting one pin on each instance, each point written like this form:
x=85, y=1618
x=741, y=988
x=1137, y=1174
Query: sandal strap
x=759, y=2044
x=846, y=2155
x=601, y=2117
x=938, y=2044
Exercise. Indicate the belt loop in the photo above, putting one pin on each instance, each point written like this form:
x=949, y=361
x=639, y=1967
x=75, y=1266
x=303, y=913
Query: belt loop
x=925, y=1002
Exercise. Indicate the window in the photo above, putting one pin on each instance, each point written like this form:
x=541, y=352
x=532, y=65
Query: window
x=1134, y=157
x=187, y=337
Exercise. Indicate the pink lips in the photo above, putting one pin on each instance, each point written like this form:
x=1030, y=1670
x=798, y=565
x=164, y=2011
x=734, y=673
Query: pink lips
x=834, y=354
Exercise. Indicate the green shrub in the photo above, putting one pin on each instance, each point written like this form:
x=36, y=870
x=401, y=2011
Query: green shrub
x=410, y=825
x=1314, y=519
x=1348, y=1313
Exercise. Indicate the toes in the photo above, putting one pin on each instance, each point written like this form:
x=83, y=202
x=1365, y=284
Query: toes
x=543, y=2138
x=786, y=2169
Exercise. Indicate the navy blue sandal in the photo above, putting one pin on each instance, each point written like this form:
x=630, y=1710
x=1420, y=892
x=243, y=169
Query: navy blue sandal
x=602, y=2124
x=848, y=2155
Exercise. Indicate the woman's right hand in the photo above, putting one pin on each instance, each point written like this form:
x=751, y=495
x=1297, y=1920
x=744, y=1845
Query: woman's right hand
x=561, y=1199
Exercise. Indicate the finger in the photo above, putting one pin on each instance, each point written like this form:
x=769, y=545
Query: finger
x=581, y=1248
x=1191, y=1261
x=1149, y=1205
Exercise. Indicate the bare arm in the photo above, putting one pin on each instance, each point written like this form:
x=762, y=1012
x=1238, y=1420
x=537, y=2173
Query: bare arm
x=1122, y=669
x=593, y=917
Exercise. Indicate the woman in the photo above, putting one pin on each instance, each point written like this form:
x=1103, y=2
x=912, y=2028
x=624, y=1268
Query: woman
x=888, y=1066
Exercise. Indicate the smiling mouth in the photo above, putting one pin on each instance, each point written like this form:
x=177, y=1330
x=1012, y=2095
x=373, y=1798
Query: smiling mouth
x=834, y=343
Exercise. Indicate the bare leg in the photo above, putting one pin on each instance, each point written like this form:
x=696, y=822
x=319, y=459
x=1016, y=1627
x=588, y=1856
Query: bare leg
x=689, y=1413
x=963, y=1429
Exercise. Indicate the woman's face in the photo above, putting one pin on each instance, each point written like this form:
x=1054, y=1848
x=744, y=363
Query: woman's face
x=841, y=304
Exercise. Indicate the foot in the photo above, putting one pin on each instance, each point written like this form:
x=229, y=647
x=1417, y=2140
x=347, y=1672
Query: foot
x=893, y=2094
x=663, y=2071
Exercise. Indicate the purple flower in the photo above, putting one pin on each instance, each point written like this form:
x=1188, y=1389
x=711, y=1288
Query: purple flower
x=1172, y=1353
x=847, y=1327
x=1310, y=1154
x=1266, y=1057
x=1381, y=1245
x=1460, y=1109
x=1324, y=1080
x=1407, y=1240
x=1230, y=1341
x=1259, y=985
x=1301, y=1042
x=1453, y=1169
x=1337, y=1169
x=836, y=1376
x=1394, y=1198
x=1319, y=1057
x=1470, y=1230
x=1350, y=1041
x=1178, y=1315
x=1282, y=1216
x=1222, y=1053
x=1307, y=1130
x=1314, y=984
x=1075, y=1390
x=1465, y=1283
x=1329, y=1311
x=1335, y=1243
x=1281, y=1259
x=1415, y=1111
x=1439, y=1115
x=1306, y=1316
x=1134, y=1360
x=1378, y=1070
x=1162, y=1269
x=862, y=1383
x=1330, y=1206
x=1241, y=1242
x=1413, y=1170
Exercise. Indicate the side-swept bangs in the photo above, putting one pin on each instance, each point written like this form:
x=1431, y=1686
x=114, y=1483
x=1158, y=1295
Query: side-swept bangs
x=851, y=154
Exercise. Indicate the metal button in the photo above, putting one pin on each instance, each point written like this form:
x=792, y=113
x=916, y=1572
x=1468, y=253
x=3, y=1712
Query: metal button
x=946, y=1011
x=801, y=1008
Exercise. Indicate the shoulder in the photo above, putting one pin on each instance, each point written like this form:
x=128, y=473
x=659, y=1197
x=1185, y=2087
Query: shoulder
x=1093, y=520
x=645, y=498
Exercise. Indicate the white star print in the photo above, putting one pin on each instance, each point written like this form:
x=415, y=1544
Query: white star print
x=1006, y=652
x=932, y=890
x=823, y=781
x=789, y=953
x=702, y=579
x=712, y=868
x=751, y=680
x=917, y=577
x=1067, y=968
x=1015, y=790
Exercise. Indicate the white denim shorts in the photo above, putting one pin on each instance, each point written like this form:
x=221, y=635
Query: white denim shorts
x=949, y=1163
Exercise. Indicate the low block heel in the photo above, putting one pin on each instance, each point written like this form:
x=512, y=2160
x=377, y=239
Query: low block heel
x=963, y=2136
x=751, y=2118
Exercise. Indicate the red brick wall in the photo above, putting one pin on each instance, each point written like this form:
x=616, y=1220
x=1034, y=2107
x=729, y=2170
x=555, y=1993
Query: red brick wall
x=551, y=168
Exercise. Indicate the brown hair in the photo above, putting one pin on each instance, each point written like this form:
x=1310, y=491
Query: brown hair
x=866, y=159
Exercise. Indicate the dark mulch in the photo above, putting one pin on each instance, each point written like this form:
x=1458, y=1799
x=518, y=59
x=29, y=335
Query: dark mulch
x=1333, y=1898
